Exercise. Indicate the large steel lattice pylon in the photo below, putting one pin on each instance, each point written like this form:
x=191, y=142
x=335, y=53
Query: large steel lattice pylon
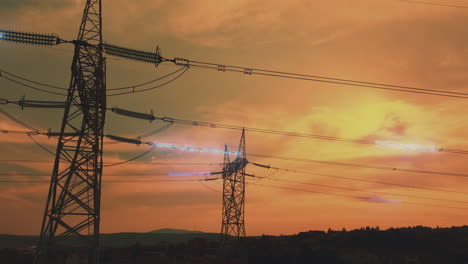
x=72, y=212
x=234, y=194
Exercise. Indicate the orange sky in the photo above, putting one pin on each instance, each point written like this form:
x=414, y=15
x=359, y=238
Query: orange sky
x=385, y=41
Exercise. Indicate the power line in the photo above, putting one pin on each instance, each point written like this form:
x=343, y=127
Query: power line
x=146, y=83
x=154, y=87
x=313, y=173
x=109, y=89
x=41, y=146
x=30, y=133
x=353, y=196
x=359, y=165
x=34, y=131
x=32, y=87
x=142, y=163
x=31, y=81
x=55, y=104
x=250, y=71
x=117, y=174
x=189, y=148
x=16, y=120
x=436, y=4
x=156, y=131
x=316, y=78
x=171, y=120
x=24, y=82
x=328, y=78
x=270, y=186
x=132, y=159
x=104, y=164
x=209, y=188
x=113, y=181
x=360, y=190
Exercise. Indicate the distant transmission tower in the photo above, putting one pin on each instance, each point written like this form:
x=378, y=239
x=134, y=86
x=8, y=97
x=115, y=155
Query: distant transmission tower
x=73, y=204
x=234, y=194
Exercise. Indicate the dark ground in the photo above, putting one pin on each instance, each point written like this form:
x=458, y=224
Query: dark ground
x=412, y=245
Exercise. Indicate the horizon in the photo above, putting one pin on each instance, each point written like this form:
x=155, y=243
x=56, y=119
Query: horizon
x=304, y=231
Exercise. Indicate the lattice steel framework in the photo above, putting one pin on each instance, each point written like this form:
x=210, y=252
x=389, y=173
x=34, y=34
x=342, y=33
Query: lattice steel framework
x=72, y=212
x=234, y=194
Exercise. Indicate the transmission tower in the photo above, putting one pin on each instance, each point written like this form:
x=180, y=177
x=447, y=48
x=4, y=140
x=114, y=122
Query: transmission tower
x=234, y=194
x=72, y=212
x=73, y=203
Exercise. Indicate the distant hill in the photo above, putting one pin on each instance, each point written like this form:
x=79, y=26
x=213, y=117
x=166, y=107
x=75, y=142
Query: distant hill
x=153, y=237
x=119, y=239
x=173, y=231
x=14, y=241
x=417, y=244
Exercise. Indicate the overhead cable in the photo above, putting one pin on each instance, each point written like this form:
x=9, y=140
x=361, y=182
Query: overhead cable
x=120, y=174
x=363, y=198
x=133, y=163
x=435, y=4
x=158, y=130
x=380, y=143
x=360, y=190
x=32, y=87
x=130, y=89
x=316, y=78
x=130, y=160
x=365, y=166
x=189, y=148
x=16, y=120
x=182, y=71
x=115, y=181
x=314, y=173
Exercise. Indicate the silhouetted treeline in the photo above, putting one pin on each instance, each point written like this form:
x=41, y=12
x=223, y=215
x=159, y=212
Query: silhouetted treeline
x=366, y=245
x=412, y=245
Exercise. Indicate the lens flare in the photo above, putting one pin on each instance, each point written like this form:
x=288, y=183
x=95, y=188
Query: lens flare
x=380, y=200
x=408, y=146
x=171, y=146
x=189, y=174
x=192, y=149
